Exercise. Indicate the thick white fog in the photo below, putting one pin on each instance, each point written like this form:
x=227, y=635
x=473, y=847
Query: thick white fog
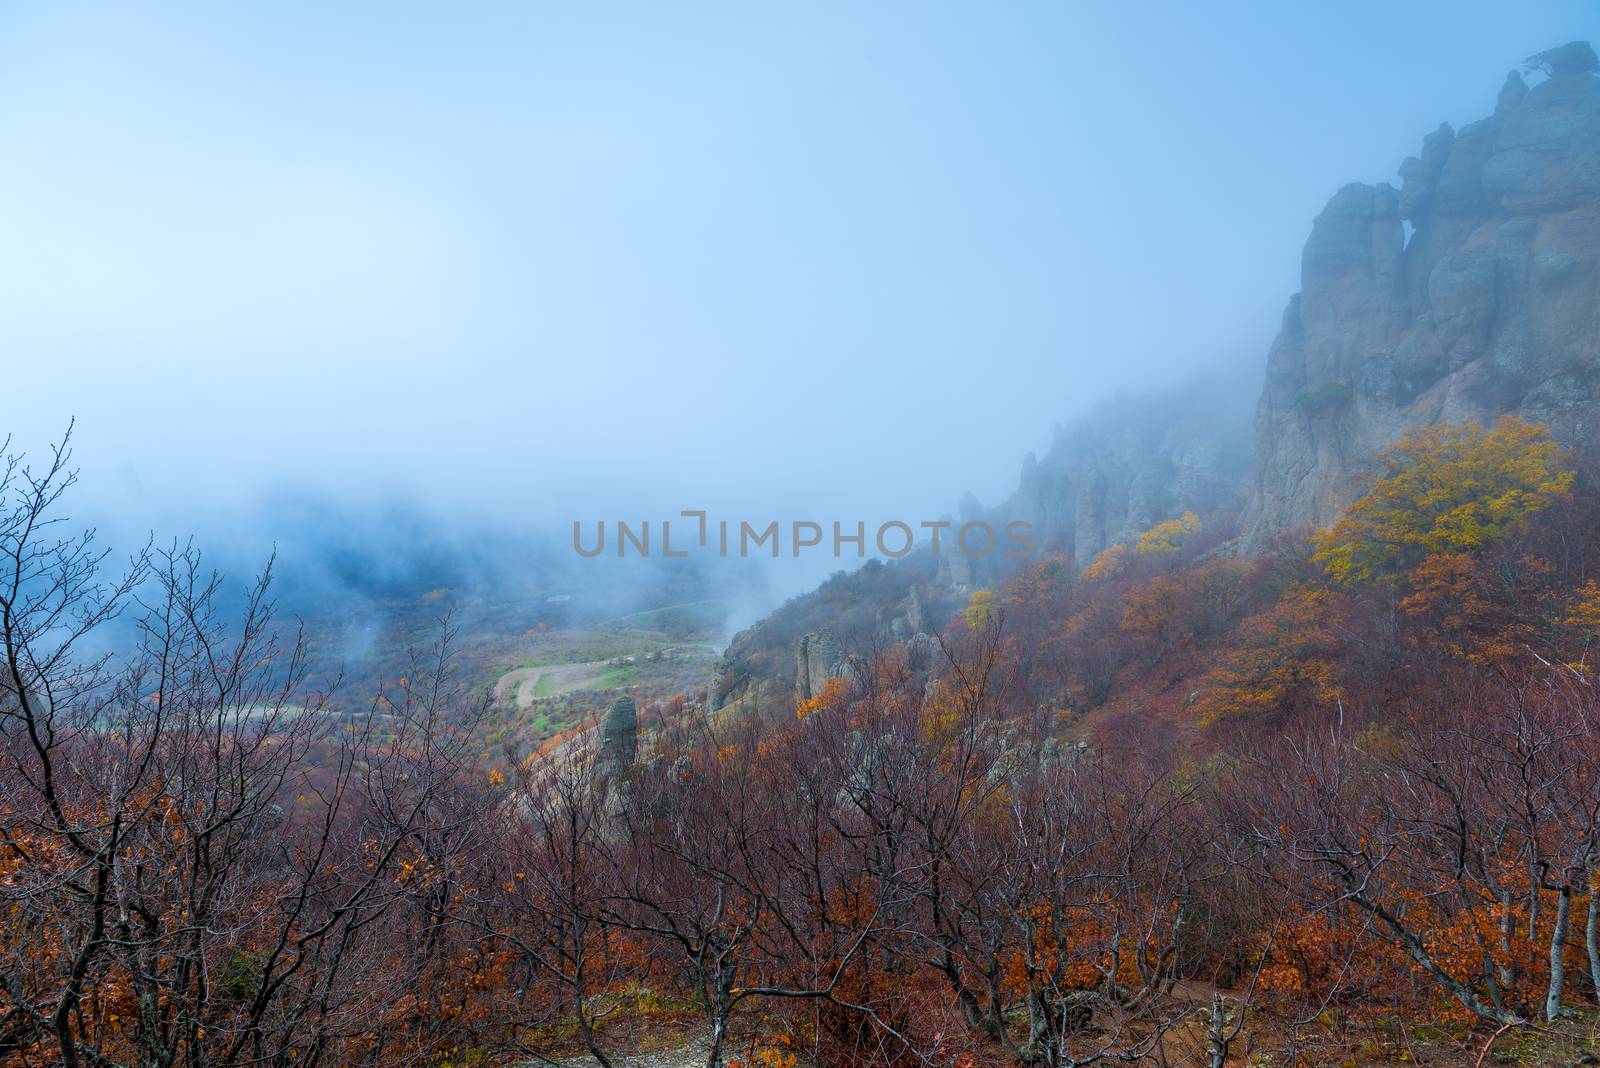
x=532, y=265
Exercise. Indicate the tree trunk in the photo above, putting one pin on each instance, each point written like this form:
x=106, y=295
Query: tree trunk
x=1418, y=952
x=718, y=1036
x=721, y=1010
x=1535, y=880
x=1558, y=955
x=1508, y=975
x=1591, y=938
x=1218, y=1038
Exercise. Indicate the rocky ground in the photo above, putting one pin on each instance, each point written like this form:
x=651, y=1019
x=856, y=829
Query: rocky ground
x=690, y=1055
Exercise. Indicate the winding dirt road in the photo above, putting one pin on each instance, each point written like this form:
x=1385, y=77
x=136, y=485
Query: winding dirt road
x=560, y=678
x=522, y=682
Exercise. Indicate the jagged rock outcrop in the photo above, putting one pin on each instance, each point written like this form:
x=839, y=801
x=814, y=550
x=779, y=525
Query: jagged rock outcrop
x=617, y=738
x=616, y=749
x=1108, y=476
x=916, y=617
x=717, y=688
x=818, y=659
x=1490, y=307
x=956, y=570
x=1136, y=461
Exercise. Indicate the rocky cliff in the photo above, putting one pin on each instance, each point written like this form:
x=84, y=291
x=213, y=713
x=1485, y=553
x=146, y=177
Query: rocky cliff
x=1107, y=476
x=1470, y=292
x=1136, y=461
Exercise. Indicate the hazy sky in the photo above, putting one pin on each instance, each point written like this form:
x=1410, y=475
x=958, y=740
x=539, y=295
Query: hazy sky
x=524, y=262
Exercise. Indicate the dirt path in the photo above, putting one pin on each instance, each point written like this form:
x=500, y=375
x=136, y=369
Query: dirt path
x=521, y=681
x=689, y=1055
x=560, y=678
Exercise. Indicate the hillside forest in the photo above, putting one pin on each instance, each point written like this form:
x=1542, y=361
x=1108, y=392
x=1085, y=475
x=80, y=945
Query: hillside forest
x=1335, y=803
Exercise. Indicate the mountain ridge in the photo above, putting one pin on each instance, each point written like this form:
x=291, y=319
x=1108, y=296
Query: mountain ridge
x=1470, y=292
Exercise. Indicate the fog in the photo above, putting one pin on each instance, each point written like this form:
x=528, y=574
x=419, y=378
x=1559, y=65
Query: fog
x=297, y=271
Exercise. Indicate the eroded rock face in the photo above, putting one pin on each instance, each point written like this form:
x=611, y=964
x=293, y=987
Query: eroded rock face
x=1490, y=307
x=956, y=570
x=1135, y=462
x=818, y=659
x=1107, y=477
x=617, y=742
x=916, y=618
x=616, y=749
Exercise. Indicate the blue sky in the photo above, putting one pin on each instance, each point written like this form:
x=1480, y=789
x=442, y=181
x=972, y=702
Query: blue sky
x=523, y=262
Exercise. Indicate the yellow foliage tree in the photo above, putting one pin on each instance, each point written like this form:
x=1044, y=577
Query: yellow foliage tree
x=1108, y=563
x=1584, y=612
x=1583, y=619
x=979, y=610
x=1454, y=488
x=1164, y=538
x=1461, y=609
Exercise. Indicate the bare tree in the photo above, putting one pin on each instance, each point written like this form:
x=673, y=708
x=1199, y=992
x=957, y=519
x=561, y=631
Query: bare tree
x=203, y=848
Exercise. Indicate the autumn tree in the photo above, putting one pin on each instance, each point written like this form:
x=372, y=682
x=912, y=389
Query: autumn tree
x=540, y=892
x=1284, y=659
x=1464, y=836
x=1451, y=488
x=185, y=884
x=1167, y=537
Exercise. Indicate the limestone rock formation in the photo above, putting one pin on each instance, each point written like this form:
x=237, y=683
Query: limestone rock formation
x=1134, y=462
x=617, y=739
x=955, y=568
x=916, y=617
x=616, y=750
x=1110, y=475
x=1471, y=292
x=818, y=659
